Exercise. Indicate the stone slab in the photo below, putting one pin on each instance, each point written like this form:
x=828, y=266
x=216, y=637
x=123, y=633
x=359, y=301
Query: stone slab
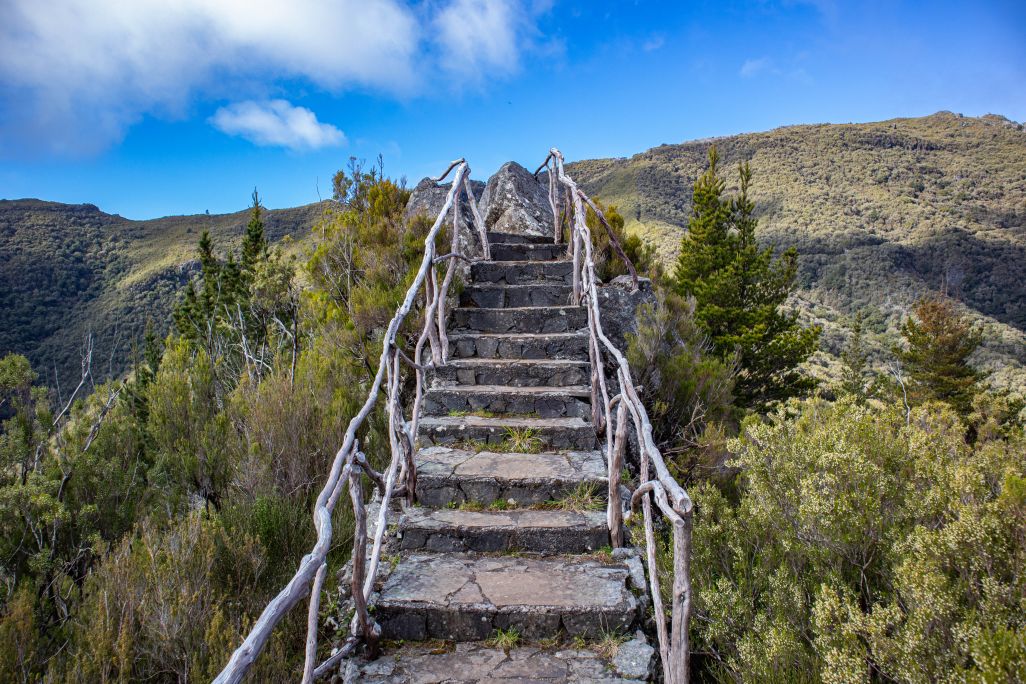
x=541, y=531
x=447, y=475
x=512, y=372
x=488, y=295
x=552, y=433
x=527, y=319
x=545, y=402
x=572, y=345
x=466, y=597
x=474, y=662
x=522, y=272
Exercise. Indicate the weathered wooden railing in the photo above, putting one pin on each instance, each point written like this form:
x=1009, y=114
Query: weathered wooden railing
x=350, y=464
x=655, y=480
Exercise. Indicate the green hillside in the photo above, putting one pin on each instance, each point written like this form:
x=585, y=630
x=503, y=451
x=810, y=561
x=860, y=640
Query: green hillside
x=881, y=213
x=66, y=270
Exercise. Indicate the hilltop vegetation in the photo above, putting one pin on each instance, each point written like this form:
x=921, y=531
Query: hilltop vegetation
x=881, y=214
x=66, y=270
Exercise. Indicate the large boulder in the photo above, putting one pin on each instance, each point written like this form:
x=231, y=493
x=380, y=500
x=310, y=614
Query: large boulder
x=428, y=198
x=514, y=201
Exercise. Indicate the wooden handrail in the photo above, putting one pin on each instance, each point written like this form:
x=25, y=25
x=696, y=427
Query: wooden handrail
x=671, y=499
x=349, y=465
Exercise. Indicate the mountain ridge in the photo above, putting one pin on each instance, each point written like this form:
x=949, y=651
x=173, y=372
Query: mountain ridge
x=880, y=212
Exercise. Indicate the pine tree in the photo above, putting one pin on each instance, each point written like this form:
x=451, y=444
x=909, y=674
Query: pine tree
x=254, y=244
x=739, y=289
x=855, y=362
x=938, y=343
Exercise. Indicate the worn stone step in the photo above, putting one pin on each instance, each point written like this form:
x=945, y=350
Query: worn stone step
x=513, y=372
x=545, y=433
x=524, y=252
x=521, y=272
x=467, y=597
x=517, y=239
x=474, y=662
x=549, y=346
x=454, y=476
x=543, y=402
x=543, y=531
x=492, y=296
x=527, y=319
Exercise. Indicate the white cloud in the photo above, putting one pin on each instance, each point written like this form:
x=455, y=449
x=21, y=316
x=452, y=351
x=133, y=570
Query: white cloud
x=277, y=123
x=754, y=67
x=75, y=74
x=475, y=35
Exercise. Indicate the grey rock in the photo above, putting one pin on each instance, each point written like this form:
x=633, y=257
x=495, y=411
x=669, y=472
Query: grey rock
x=635, y=658
x=618, y=306
x=515, y=202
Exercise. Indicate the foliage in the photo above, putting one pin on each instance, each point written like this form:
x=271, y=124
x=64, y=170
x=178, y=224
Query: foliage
x=739, y=289
x=855, y=363
x=686, y=387
x=938, y=344
x=862, y=547
x=145, y=526
x=608, y=263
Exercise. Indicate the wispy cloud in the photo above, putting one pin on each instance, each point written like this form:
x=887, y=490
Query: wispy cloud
x=757, y=66
x=277, y=123
x=75, y=74
x=654, y=42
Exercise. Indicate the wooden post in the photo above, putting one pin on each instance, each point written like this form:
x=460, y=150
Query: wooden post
x=614, y=513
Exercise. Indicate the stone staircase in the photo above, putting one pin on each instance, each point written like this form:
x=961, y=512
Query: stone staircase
x=510, y=532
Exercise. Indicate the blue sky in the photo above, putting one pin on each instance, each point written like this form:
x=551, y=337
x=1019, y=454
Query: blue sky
x=152, y=108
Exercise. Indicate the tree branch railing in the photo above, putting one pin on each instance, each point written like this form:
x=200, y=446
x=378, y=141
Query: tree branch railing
x=550, y=164
x=655, y=479
x=350, y=465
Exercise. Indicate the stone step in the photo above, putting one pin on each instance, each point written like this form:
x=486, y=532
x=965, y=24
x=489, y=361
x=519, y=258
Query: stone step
x=542, y=531
x=475, y=662
x=544, y=346
x=468, y=597
x=527, y=319
x=454, y=476
x=492, y=296
x=523, y=252
x=516, y=239
x=521, y=272
x=513, y=372
x=504, y=432
x=543, y=402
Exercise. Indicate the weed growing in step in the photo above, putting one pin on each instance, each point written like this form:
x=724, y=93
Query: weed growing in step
x=584, y=497
x=520, y=440
x=608, y=644
x=480, y=413
x=505, y=639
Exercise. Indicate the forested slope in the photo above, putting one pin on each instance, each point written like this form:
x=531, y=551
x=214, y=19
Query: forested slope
x=66, y=270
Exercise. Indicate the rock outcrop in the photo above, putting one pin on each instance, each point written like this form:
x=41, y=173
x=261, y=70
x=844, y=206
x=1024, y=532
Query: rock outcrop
x=515, y=202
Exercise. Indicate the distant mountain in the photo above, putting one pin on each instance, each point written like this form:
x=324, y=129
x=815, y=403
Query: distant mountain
x=68, y=269
x=881, y=213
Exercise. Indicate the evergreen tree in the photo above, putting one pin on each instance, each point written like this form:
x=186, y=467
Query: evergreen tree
x=254, y=244
x=938, y=343
x=739, y=289
x=855, y=362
